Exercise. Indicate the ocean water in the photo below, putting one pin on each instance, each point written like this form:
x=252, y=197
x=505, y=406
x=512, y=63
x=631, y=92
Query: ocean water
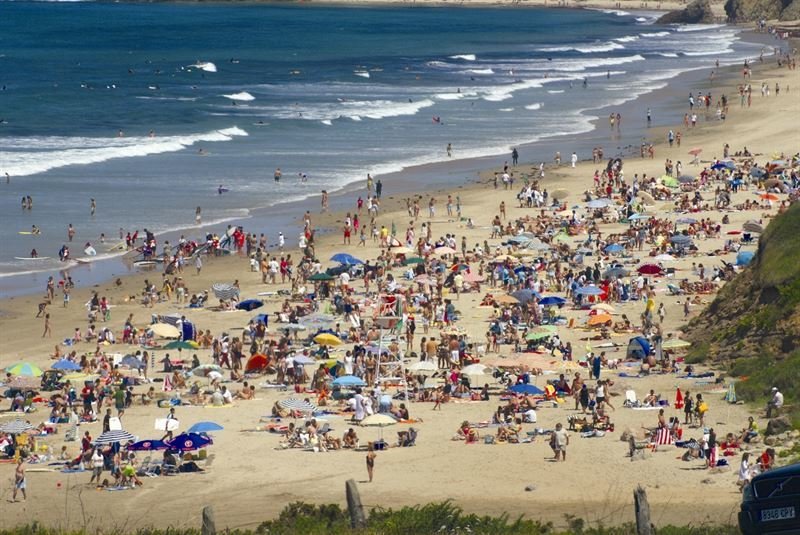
x=116, y=101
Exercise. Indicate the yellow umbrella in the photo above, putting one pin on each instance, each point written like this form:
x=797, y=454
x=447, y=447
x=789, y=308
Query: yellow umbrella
x=600, y=319
x=165, y=330
x=328, y=339
x=506, y=300
x=603, y=306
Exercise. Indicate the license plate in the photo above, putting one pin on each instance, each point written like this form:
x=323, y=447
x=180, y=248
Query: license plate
x=779, y=513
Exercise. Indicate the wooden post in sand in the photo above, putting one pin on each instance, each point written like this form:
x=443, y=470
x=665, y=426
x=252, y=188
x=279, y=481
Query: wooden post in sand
x=354, y=507
x=209, y=526
x=642, y=508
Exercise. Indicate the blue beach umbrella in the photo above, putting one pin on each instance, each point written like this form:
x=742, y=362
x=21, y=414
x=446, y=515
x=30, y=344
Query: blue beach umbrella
x=349, y=381
x=148, y=445
x=189, y=442
x=589, y=290
x=66, y=365
x=526, y=389
x=614, y=248
x=523, y=296
x=345, y=258
x=599, y=203
x=205, y=427
x=260, y=318
x=551, y=300
x=638, y=217
x=744, y=258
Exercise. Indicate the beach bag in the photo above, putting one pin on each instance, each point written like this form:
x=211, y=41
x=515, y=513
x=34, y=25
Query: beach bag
x=702, y=408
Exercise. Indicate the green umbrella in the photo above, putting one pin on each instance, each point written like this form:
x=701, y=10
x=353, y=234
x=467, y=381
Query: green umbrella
x=181, y=344
x=670, y=181
x=414, y=260
x=321, y=277
x=26, y=369
x=541, y=332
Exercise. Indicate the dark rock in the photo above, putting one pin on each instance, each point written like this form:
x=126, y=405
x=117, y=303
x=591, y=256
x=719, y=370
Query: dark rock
x=778, y=425
x=754, y=10
x=696, y=12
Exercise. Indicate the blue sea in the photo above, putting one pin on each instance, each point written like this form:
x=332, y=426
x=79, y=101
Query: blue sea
x=149, y=107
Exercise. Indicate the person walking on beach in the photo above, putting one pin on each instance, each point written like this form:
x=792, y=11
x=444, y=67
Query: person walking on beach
x=649, y=118
x=449, y=150
x=48, y=332
x=574, y=159
x=19, y=481
x=370, y=460
x=378, y=188
x=198, y=264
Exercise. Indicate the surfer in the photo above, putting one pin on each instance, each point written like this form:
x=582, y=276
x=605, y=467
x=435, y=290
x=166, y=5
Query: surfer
x=34, y=254
x=35, y=230
x=221, y=189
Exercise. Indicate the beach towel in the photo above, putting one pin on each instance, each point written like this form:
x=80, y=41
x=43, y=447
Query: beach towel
x=167, y=384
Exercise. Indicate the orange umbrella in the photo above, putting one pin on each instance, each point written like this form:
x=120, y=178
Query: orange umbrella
x=506, y=300
x=600, y=319
x=256, y=363
x=695, y=151
x=769, y=197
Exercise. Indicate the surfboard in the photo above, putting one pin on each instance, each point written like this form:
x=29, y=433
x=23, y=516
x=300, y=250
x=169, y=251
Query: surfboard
x=31, y=258
x=27, y=232
x=144, y=263
x=121, y=246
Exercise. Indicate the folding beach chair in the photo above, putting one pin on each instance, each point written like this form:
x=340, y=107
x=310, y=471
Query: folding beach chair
x=630, y=399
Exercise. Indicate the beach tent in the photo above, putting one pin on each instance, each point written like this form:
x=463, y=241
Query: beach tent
x=638, y=348
x=256, y=363
x=744, y=258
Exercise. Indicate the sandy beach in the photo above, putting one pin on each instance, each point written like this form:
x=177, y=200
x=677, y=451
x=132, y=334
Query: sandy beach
x=250, y=478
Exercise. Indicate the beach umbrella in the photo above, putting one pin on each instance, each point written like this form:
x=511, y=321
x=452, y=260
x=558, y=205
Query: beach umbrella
x=380, y=420
x=205, y=427
x=424, y=279
x=615, y=272
x=599, y=319
x=773, y=182
x=26, y=369
x=769, y=197
x=649, y=269
x=757, y=172
x=473, y=276
x=296, y=404
x=686, y=221
x=67, y=365
x=506, y=300
x=665, y=258
x=327, y=339
x=559, y=194
x=675, y=343
x=552, y=300
x=317, y=318
x=753, y=226
x=423, y=366
x=538, y=334
x=250, y=304
x=536, y=245
x=646, y=197
x=518, y=240
x=599, y=203
x=260, y=318
x=112, y=437
x=304, y=360
x=731, y=233
x=614, y=248
x=744, y=258
x=531, y=390
x=181, y=344
x=695, y=151
x=165, y=330
x=189, y=442
x=293, y=327
x=256, y=363
x=345, y=258
x=686, y=179
x=444, y=250
x=22, y=382
x=321, y=277
x=401, y=250
x=130, y=361
x=475, y=369
x=589, y=290
x=224, y=291
x=681, y=240
x=638, y=217
x=524, y=296
x=603, y=306
x=148, y=445
x=349, y=381
x=15, y=427
x=414, y=260
x=203, y=369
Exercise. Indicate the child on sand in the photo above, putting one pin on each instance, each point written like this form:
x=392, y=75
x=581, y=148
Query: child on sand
x=371, y=460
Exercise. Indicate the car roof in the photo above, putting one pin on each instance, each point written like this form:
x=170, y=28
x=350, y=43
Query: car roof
x=790, y=470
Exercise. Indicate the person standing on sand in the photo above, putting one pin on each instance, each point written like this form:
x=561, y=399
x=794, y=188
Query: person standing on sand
x=48, y=332
x=370, y=460
x=369, y=184
x=514, y=156
x=198, y=264
x=559, y=442
x=574, y=159
x=19, y=481
x=324, y=201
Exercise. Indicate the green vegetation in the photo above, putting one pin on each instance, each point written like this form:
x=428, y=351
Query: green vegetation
x=442, y=518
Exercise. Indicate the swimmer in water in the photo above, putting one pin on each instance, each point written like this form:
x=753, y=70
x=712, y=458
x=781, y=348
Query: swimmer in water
x=220, y=189
x=35, y=230
x=34, y=254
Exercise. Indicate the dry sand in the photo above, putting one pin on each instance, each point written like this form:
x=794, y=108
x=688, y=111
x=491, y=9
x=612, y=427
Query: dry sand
x=249, y=480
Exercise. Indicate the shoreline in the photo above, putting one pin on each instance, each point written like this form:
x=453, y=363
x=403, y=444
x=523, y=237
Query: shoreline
x=596, y=482
x=413, y=178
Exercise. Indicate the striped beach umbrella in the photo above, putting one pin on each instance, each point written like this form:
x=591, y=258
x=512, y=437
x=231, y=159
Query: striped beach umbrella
x=16, y=427
x=112, y=437
x=25, y=368
x=294, y=404
x=225, y=291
